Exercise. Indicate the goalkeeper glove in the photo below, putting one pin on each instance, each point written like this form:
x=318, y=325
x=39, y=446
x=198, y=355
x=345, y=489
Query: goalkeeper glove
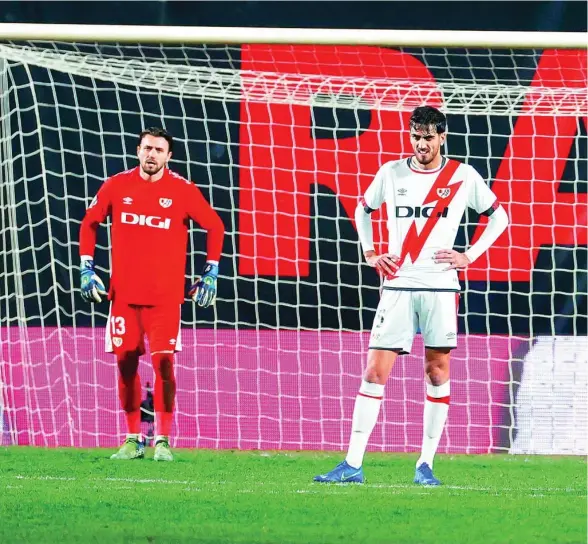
x=91, y=285
x=204, y=290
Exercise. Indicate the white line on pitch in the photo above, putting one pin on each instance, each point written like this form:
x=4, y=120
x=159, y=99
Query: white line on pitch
x=146, y=481
x=332, y=487
x=61, y=478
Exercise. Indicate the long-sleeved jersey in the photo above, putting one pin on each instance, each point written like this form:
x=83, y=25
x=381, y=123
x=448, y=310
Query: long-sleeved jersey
x=425, y=208
x=149, y=234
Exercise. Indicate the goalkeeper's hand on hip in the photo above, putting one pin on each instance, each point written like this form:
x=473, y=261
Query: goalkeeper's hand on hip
x=90, y=284
x=204, y=289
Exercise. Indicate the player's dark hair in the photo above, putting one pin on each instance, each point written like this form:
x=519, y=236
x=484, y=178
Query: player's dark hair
x=426, y=116
x=158, y=133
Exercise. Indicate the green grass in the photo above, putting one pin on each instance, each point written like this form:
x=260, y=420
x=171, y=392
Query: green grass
x=71, y=495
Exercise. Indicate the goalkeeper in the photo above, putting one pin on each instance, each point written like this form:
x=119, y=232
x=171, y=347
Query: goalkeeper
x=150, y=207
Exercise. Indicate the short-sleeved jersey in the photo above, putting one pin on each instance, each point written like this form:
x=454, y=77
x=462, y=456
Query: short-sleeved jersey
x=149, y=234
x=424, y=209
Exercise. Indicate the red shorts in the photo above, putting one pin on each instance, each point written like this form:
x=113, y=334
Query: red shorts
x=128, y=324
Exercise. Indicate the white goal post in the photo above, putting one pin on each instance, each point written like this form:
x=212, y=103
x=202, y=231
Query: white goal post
x=283, y=129
x=312, y=36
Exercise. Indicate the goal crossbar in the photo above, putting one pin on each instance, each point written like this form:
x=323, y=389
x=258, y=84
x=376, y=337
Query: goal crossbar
x=316, y=36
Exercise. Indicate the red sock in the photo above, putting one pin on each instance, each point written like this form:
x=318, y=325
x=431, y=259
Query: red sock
x=164, y=393
x=129, y=390
x=134, y=421
x=163, y=423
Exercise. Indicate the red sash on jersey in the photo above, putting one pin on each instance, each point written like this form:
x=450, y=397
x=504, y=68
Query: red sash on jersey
x=414, y=242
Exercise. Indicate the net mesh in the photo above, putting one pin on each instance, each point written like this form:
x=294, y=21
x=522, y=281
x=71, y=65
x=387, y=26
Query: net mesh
x=283, y=140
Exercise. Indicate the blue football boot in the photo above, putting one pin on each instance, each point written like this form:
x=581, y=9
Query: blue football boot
x=424, y=475
x=342, y=474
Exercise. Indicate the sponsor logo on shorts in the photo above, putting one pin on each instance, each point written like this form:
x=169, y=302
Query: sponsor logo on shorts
x=117, y=341
x=380, y=316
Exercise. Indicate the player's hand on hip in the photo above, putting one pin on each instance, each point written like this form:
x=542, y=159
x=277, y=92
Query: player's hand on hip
x=386, y=264
x=456, y=260
x=204, y=290
x=91, y=285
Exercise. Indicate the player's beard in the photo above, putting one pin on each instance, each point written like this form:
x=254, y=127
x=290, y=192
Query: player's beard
x=425, y=158
x=151, y=168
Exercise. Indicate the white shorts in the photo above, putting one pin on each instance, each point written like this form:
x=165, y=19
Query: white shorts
x=401, y=314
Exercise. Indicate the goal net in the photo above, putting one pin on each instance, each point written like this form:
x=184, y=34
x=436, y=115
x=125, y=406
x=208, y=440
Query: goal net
x=283, y=139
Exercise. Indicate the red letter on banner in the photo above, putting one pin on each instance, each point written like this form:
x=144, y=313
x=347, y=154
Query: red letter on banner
x=280, y=161
x=528, y=180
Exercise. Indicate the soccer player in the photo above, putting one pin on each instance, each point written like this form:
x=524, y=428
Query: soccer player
x=425, y=197
x=150, y=207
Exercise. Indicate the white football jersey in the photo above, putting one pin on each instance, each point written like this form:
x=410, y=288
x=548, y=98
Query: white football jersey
x=424, y=210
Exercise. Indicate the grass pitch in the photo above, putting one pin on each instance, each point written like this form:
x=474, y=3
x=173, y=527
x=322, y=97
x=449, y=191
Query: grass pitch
x=72, y=495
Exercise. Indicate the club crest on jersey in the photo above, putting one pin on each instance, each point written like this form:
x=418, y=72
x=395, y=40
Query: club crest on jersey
x=117, y=341
x=443, y=193
x=165, y=202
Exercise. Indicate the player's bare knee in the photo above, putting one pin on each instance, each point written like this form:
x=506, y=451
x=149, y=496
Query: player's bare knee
x=437, y=375
x=379, y=366
x=372, y=375
x=437, y=365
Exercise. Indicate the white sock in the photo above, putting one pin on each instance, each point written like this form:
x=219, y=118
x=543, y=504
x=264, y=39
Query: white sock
x=135, y=436
x=434, y=417
x=365, y=415
x=161, y=437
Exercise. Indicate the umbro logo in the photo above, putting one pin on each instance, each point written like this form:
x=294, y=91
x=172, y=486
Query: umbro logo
x=127, y=200
x=402, y=191
x=172, y=341
x=165, y=202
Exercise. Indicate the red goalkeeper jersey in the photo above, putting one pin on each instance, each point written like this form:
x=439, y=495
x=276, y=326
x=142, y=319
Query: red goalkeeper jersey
x=150, y=234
